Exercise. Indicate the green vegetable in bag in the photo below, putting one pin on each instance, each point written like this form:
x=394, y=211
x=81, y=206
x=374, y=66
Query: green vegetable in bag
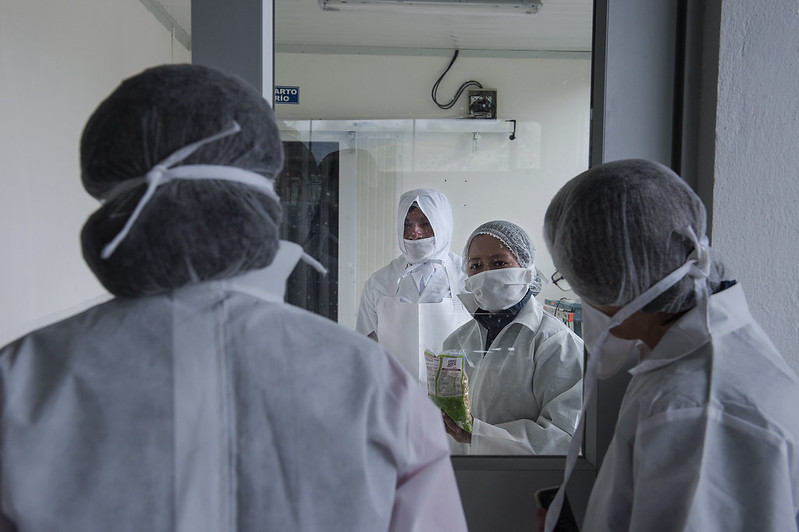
x=448, y=386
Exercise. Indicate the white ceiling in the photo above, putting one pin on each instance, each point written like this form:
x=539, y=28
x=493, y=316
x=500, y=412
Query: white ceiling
x=560, y=25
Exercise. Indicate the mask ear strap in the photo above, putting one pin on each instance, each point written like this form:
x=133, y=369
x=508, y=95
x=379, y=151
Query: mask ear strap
x=700, y=273
x=315, y=264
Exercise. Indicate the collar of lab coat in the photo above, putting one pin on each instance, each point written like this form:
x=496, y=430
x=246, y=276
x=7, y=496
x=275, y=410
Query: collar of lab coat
x=531, y=315
x=268, y=284
x=728, y=311
x=450, y=262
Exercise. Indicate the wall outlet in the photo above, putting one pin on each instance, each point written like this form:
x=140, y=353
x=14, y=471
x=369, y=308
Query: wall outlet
x=483, y=103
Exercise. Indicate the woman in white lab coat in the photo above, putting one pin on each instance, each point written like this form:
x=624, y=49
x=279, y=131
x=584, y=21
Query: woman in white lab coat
x=524, y=366
x=197, y=400
x=410, y=304
x=708, y=435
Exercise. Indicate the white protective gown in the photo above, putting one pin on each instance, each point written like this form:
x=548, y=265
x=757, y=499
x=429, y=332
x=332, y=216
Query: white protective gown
x=216, y=407
x=384, y=284
x=405, y=320
x=708, y=433
x=526, y=391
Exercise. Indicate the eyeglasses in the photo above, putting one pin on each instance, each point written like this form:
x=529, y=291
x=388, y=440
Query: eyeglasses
x=560, y=281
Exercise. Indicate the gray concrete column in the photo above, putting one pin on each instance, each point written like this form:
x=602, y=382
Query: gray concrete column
x=634, y=77
x=237, y=36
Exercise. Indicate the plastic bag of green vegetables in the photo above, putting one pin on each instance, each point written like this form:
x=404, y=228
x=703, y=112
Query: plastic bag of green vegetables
x=448, y=386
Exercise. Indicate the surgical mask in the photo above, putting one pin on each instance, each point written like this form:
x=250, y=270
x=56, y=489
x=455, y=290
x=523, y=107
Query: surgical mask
x=614, y=352
x=419, y=250
x=496, y=290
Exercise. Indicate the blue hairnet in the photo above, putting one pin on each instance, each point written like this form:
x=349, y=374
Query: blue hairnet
x=618, y=228
x=190, y=230
x=515, y=239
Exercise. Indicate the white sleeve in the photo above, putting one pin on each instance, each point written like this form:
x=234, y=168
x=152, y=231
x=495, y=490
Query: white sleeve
x=367, y=312
x=427, y=497
x=557, y=387
x=705, y=468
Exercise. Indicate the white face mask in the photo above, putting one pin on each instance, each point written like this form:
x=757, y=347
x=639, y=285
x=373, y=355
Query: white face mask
x=419, y=250
x=614, y=352
x=496, y=290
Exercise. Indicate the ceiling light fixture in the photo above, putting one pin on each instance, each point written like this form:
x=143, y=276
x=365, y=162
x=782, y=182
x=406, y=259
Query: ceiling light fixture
x=446, y=7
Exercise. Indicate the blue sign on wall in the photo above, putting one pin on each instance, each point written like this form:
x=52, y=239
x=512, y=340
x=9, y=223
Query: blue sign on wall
x=287, y=95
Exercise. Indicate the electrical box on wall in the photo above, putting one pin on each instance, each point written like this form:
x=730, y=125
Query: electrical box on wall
x=483, y=103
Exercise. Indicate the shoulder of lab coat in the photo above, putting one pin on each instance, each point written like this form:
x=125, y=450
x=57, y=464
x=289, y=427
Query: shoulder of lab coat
x=427, y=495
x=100, y=387
x=470, y=337
x=708, y=440
x=382, y=283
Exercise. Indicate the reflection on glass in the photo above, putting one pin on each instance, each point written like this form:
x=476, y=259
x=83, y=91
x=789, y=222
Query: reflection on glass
x=373, y=111
x=309, y=196
x=341, y=185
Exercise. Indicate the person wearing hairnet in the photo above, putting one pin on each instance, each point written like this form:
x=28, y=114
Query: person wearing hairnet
x=524, y=366
x=197, y=400
x=410, y=304
x=707, y=436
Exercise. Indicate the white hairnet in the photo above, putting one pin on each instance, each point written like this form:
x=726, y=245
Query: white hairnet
x=515, y=239
x=618, y=228
x=189, y=230
x=438, y=210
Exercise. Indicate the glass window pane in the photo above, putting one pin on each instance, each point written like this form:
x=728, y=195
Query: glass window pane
x=362, y=128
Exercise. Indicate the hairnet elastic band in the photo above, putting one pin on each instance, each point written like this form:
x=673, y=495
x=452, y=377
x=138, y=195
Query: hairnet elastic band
x=161, y=173
x=172, y=160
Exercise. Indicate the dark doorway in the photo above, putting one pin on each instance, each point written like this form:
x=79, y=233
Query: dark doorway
x=308, y=188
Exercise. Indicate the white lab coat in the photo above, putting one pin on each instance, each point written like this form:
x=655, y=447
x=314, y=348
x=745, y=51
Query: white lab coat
x=216, y=407
x=707, y=437
x=526, y=391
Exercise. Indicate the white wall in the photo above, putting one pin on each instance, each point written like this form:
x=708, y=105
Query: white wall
x=549, y=98
x=756, y=194
x=58, y=60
